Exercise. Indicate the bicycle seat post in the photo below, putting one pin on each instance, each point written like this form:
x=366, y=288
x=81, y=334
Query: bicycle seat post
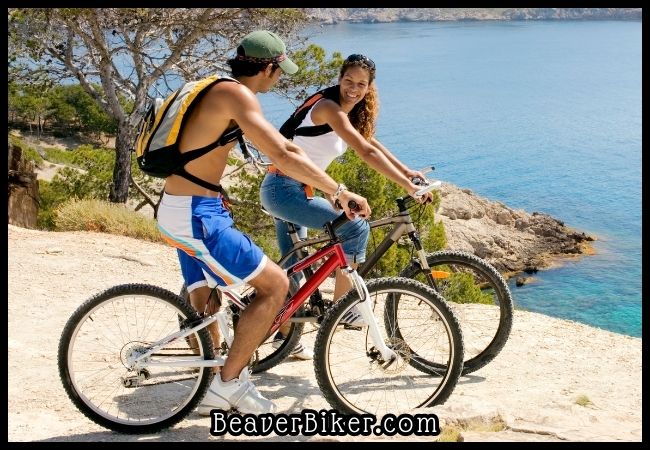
x=292, y=231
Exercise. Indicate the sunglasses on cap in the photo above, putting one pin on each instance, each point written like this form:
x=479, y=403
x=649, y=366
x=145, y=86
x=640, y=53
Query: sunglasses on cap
x=361, y=58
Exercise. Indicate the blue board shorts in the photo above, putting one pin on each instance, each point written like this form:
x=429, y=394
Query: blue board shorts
x=207, y=241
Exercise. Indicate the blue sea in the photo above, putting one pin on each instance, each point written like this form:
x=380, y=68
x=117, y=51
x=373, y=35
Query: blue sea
x=542, y=116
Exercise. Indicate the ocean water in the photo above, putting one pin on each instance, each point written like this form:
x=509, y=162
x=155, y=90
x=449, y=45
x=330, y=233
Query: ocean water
x=542, y=116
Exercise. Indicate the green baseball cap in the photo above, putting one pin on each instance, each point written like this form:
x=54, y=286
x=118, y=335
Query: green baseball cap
x=263, y=45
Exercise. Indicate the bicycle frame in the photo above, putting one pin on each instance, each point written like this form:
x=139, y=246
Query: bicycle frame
x=403, y=225
x=335, y=259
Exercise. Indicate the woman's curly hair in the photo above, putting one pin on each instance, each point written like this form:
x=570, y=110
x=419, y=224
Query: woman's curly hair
x=364, y=114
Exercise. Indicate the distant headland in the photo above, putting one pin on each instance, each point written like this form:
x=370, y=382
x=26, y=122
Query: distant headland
x=381, y=15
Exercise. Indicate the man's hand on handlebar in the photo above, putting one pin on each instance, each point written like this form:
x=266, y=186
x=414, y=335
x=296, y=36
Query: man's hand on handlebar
x=362, y=208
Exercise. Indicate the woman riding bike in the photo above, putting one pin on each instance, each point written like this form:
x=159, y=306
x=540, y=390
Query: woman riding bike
x=338, y=117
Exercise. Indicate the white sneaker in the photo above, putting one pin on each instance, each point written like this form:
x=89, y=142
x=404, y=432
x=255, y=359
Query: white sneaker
x=238, y=393
x=300, y=351
x=353, y=317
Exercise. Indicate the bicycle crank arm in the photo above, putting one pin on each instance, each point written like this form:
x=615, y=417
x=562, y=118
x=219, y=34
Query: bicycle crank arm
x=388, y=363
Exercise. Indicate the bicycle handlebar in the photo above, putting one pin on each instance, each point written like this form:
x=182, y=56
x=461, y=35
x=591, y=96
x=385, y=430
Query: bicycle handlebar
x=340, y=220
x=427, y=169
x=430, y=186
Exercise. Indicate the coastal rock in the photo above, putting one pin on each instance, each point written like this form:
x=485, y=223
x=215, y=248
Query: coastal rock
x=511, y=240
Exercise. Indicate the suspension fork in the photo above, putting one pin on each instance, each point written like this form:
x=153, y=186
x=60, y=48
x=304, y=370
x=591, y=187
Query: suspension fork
x=422, y=254
x=365, y=308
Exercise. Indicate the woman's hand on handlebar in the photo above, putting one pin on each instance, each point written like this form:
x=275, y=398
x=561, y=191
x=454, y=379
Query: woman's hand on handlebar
x=362, y=208
x=418, y=180
x=425, y=198
x=414, y=174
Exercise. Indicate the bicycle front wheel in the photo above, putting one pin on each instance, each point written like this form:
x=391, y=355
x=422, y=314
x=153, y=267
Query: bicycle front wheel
x=350, y=371
x=477, y=293
x=112, y=328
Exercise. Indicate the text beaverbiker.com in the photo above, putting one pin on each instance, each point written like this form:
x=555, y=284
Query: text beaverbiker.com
x=325, y=423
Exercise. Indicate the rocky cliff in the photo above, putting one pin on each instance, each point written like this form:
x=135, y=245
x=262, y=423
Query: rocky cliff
x=372, y=15
x=22, y=189
x=511, y=240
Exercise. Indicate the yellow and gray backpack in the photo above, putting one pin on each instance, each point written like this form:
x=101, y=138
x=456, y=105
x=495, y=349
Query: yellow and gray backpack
x=156, y=145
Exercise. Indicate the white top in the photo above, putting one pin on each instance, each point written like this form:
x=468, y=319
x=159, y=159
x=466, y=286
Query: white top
x=321, y=149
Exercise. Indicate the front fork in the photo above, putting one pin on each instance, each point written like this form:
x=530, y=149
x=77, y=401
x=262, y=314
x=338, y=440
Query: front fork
x=365, y=308
x=422, y=256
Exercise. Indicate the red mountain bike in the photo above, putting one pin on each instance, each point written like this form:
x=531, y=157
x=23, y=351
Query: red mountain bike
x=127, y=365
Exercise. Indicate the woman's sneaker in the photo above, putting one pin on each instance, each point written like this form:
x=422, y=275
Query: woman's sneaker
x=238, y=393
x=301, y=351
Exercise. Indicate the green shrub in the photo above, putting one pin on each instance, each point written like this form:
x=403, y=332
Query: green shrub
x=50, y=196
x=105, y=217
x=381, y=193
x=88, y=175
x=59, y=156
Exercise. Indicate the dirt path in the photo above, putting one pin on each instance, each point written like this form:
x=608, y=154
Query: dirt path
x=532, y=386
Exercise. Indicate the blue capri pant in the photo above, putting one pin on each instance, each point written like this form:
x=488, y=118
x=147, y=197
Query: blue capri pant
x=285, y=198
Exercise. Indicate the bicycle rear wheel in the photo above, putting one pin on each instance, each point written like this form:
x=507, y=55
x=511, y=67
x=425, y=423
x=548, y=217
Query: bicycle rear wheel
x=273, y=351
x=350, y=371
x=114, y=326
x=477, y=293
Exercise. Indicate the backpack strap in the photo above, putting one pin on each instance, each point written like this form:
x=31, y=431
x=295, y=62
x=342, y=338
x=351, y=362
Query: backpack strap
x=331, y=93
x=314, y=130
x=188, y=176
x=231, y=134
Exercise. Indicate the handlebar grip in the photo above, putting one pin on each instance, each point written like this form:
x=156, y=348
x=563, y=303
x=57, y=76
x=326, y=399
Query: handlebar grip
x=351, y=204
x=427, y=169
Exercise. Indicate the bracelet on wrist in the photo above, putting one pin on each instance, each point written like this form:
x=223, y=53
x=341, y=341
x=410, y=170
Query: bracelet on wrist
x=339, y=190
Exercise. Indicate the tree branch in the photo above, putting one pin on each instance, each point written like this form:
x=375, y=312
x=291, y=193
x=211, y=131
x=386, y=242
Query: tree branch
x=146, y=196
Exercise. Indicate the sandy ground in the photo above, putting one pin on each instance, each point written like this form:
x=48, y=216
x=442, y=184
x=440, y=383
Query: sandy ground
x=532, y=386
